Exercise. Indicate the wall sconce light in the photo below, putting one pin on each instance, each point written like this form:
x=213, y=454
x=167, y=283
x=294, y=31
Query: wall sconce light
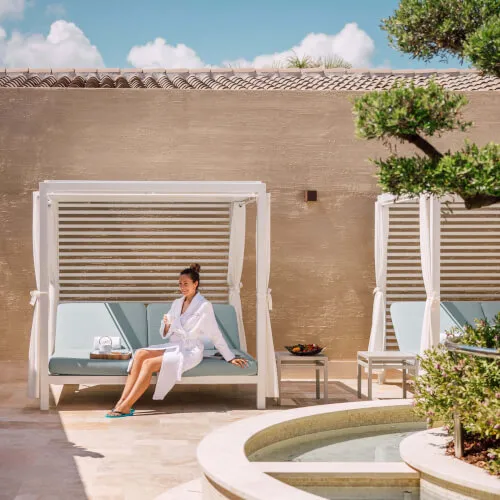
x=310, y=195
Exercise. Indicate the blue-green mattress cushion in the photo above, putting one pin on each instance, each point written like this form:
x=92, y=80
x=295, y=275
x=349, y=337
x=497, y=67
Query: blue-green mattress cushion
x=137, y=326
x=407, y=318
x=79, y=322
x=77, y=362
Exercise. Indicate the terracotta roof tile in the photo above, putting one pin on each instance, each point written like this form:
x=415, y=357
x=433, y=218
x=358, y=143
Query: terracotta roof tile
x=336, y=79
x=164, y=82
x=64, y=81
x=221, y=83
x=135, y=82
x=150, y=82
x=180, y=82
x=196, y=83
x=242, y=82
x=92, y=82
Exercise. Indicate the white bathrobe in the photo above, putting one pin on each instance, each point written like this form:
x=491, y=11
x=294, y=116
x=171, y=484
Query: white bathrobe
x=184, y=346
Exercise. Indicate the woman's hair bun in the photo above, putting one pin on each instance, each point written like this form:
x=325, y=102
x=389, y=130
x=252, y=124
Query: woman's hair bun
x=195, y=267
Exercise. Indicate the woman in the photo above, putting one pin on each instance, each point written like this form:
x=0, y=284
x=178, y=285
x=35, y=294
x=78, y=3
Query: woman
x=190, y=318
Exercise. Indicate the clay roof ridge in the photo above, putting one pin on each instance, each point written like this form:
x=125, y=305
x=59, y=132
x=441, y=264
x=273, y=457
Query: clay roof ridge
x=231, y=71
x=243, y=78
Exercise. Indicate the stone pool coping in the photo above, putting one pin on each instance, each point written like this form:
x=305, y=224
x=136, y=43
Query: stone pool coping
x=425, y=452
x=222, y=454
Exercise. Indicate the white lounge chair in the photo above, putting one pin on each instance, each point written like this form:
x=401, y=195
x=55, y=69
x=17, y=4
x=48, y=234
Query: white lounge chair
x=407, y=318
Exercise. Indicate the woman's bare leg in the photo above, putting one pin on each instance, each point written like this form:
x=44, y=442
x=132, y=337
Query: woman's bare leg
x=140, y=356
x=149, y=366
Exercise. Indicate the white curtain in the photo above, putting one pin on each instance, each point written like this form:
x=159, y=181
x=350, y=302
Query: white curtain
x=272, y=376
x=33, y=375
x=53, y=301
x=235, y=265
x=377, y=334
x=430, y=220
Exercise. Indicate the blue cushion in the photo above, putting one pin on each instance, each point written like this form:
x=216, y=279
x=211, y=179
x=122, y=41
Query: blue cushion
x=464, y=311
x=407, y=319
x=79, y=322
x=224, y=314
x=490, y=310
x=228, y=324
x=214, y=366
x=77, y=362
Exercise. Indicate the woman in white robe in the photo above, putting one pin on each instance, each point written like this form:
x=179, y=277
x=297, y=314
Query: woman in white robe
x=190, y=318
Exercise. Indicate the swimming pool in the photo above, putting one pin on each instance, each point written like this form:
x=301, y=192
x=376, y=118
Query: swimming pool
x=341, y=451
x=374, y=443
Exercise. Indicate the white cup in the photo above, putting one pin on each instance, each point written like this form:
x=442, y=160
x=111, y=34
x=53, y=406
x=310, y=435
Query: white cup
x=105, y=344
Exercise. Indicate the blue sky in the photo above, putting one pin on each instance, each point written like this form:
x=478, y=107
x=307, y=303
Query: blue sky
x=195, y=33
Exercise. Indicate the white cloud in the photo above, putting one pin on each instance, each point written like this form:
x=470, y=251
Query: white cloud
x=65, y=46
x=55, y=10
x=11, y=8
x=351, y=43
x=159, y=54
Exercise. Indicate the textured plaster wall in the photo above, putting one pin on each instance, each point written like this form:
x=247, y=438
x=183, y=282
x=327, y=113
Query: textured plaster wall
x=322, y=253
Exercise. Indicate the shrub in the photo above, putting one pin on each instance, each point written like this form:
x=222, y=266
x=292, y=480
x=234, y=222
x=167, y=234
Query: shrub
x=467, y=384
x=467, y=29
x=412, y=114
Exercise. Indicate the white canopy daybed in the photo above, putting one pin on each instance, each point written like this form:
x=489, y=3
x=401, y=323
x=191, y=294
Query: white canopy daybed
x=430, y=234
x=464, y=243
x=96, y=241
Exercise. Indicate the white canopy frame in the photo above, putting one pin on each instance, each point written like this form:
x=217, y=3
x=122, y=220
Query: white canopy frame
x=430, y=249
x=46, y=297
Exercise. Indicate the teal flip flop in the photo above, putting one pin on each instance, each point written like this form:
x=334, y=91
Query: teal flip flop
x=120, y=414
x=132, y=410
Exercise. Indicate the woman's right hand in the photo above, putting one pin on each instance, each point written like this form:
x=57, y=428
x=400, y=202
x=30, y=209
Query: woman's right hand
x=167, y=324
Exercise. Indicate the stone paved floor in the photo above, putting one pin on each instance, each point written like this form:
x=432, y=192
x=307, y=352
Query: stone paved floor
x=73, y=452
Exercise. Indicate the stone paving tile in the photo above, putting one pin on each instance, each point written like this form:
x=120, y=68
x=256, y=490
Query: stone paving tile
x=73, y=452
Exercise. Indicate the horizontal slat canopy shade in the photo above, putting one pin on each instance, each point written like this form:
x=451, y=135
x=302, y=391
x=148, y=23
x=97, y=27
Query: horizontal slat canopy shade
x=119, y=250
x=470, y=256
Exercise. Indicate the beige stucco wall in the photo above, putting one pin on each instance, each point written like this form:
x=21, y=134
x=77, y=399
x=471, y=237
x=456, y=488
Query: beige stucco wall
x=322, y=253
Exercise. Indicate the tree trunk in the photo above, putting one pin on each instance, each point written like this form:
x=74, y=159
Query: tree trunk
x=422, y=144
x=480, y=200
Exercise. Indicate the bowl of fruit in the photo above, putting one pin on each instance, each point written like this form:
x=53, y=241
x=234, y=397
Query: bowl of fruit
x=304, y=349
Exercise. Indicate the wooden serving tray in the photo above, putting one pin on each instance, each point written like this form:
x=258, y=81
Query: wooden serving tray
x=110, y=355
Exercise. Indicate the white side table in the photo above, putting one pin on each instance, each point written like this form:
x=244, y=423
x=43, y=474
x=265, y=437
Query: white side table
x=404, y=361
x=318, y=361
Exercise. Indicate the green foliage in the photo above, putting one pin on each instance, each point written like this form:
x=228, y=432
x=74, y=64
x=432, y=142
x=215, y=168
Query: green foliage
x=471, y=171
x=296, y=61
x=462, y=28
x=406, y=109
x=412, y=114
x=483, y=47
x=468, y=173
x=333, y=61
x=305, y=61
x=467, y=384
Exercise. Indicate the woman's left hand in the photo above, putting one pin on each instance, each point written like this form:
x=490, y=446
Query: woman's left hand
x=242, y=363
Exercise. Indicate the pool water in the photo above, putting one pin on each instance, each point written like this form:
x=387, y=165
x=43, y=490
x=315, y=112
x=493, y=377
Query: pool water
x=377, y=443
